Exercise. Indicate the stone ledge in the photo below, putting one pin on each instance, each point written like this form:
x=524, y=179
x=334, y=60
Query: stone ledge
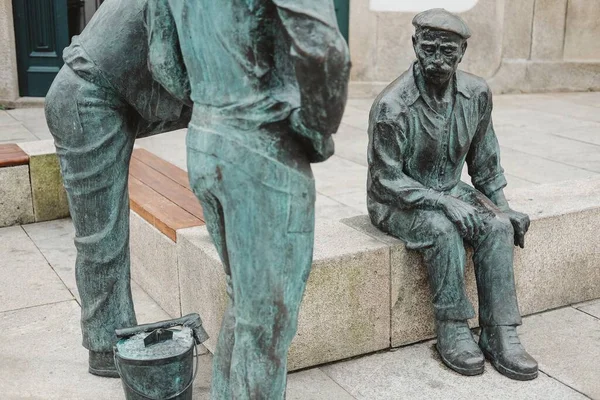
x=367, y=292
x=33, y=191
x=345, y=311
x=560, y=264
x=16, y=207
x=48, y=192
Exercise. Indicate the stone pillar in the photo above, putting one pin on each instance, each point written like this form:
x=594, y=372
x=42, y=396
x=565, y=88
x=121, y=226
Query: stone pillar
x=9, y=80
x=548, y=34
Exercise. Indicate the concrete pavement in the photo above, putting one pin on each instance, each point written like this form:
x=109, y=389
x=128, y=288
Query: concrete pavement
x=42, y=357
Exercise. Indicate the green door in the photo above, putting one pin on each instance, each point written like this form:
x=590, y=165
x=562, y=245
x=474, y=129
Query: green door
x=41, y=33
x=342, y=11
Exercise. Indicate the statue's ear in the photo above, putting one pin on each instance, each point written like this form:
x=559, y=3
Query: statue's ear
x=414, y=41
x=464, y=49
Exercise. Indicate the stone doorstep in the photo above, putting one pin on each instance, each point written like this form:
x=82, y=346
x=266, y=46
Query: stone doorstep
x=366, y=292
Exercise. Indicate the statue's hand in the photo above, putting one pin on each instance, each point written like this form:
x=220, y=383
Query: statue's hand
x=520, y=223
x=467, y=218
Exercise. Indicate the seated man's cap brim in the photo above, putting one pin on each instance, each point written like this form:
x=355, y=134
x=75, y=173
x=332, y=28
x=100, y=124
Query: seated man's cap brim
x=442, y=20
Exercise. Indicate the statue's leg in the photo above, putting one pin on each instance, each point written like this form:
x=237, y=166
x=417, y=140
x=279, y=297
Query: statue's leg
x=493, y=259
x=268, y=213
x=94, y=141
x=432, y=234
x=498, y=309
x=438, y=240
x=215, y=223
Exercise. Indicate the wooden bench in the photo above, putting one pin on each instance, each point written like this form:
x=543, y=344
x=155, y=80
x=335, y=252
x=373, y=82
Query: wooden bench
x=160, y=193
x=12, y=155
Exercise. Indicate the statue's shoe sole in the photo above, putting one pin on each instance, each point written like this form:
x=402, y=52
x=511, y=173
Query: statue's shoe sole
x=461, y=370
x=509, y=373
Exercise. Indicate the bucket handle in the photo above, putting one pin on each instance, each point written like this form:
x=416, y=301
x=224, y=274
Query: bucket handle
x=143, y=395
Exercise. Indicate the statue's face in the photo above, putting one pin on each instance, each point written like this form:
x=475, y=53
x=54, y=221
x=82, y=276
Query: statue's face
x=439, y=53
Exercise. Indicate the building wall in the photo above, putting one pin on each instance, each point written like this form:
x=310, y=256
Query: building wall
x=9, y=83
x=517, y=45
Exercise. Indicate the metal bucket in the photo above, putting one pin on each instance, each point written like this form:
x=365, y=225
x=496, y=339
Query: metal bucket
x=158, y=365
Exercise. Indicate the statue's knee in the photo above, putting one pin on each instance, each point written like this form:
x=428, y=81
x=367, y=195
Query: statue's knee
x=444, y=232
x=500, y=225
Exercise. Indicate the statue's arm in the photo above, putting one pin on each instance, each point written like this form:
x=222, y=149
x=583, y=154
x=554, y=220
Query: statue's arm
x=483, y=158
x=388, y=183
x=487, y=175
x=322, y=61
x=164, y=54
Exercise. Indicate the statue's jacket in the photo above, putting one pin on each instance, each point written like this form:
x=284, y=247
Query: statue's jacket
x=277, y=57
x=416, y=154
x=113, y=51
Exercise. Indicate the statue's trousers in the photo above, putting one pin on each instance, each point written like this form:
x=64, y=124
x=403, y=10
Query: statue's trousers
x=94, y=131
x=258, y=201
x=443, y=248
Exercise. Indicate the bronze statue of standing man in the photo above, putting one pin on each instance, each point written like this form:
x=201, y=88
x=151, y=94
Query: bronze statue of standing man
x=423, y=128
x=268, y=82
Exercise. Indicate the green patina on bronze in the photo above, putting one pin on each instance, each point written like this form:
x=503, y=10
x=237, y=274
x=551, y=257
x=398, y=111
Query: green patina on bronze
x=423, y=128
x=268, y=81
x=101, y=101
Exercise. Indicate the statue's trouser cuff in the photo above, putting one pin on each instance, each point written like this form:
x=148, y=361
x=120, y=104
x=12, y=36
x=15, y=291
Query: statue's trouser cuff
x=94, y=138
x=260, y=214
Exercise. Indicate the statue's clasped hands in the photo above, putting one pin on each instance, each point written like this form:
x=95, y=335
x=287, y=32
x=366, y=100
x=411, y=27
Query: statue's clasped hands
x=471, y=222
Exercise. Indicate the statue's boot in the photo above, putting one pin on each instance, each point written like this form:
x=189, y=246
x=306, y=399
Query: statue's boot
x=502, y=347
x=102, y=364
x=458, y=349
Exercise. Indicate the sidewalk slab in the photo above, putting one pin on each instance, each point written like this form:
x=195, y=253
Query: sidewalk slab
x=15, y=133
x=416, y=372
x=55, y=240
x=314, y=384
x=566, y=343
x=42, y=356
x=593, y=308
x=28, y=279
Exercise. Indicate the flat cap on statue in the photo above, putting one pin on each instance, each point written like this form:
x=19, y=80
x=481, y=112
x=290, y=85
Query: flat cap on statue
x=442, y=20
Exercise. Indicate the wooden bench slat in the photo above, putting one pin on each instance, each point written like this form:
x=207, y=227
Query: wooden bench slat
x=168, y=188
x=164, y=167
x=162, y=213
x=10, y=148
x=12, y=155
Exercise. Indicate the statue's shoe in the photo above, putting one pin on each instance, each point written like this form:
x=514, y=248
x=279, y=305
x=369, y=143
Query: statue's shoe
x=458, y=349
x=502, y=347
x=102, y=364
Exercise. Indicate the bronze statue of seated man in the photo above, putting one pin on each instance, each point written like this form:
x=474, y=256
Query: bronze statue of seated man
x=423, y=128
